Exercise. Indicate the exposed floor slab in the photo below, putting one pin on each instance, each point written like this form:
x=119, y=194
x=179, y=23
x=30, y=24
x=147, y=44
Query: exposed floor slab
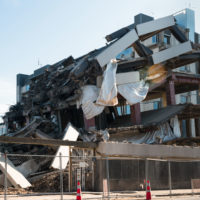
x=166, y=152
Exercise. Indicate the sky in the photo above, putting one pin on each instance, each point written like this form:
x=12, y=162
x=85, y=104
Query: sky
x=34, y=33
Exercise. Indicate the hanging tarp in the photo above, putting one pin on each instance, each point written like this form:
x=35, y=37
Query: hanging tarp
x=134, y=92
x=93, y=99
x=108, y=91
x=89, y=96
x=166, y=132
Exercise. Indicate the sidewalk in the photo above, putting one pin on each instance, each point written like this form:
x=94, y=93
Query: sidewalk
x=158, y=194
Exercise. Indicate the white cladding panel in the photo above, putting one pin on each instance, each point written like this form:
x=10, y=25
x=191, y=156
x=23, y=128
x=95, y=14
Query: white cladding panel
x=114, y=49
x=172, y=52
x=155, y=25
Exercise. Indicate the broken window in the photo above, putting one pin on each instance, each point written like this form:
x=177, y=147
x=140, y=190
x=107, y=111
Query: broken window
x=154, y=39
x=166, y=39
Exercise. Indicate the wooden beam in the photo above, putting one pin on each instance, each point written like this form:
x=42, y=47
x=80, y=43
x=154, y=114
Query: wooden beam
x=46, y=142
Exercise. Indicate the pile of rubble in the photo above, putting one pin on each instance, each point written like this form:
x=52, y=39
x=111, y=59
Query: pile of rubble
x=77, y=90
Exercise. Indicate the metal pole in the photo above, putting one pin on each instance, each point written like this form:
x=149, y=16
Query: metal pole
x=108, y=177
x=93, y=170
x=70, y=171
x=61, y=178
x=146, y=172
x=192, y=187
x=170, y=181
x=5, y=178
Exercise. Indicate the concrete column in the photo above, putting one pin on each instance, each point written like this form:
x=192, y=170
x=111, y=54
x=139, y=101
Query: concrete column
x=89, y=123
x=170, y=92
x=188, y=128
x=135, y=114
x=197, y=127
x=181, y=127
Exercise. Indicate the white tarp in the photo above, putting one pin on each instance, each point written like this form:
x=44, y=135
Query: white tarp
x=93, y=100
x=71, y=134
x=89, y=96
x=167, y=131
x=133, y=92
x=108, y=91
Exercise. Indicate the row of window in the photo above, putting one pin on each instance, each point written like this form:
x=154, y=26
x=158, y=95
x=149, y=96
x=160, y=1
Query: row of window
x=125, y=110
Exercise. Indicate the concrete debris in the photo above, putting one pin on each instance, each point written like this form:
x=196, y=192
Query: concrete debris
x=166, y=132
x=172, y=52
x=148, y=29
x=14, y=176
x=84, y=98
x=71, y=134
x=94, y=135
x=116, y=47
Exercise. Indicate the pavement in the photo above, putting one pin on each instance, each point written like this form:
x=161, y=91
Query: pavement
x=136, y=195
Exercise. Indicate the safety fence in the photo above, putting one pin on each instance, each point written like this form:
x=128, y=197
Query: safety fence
x=57, y=177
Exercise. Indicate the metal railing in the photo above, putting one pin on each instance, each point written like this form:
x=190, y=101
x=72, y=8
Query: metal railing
x=114, y=177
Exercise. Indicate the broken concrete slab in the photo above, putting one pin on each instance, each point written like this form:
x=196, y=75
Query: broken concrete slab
x=178, y=34
x=39, y=134
x=128, y=77
x=2, y=181
x=14, y=176
x=144, y=30
x=172, y=52
x=119, y=33
x=28, y=167
x=122, y=78
x=71, y=134
x=25, y=168
x=28, y=128
x=116, y=47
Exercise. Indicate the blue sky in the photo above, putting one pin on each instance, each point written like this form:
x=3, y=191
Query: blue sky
x=50, y=30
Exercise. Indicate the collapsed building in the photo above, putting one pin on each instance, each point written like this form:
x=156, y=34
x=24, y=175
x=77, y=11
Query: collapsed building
x=98, y=96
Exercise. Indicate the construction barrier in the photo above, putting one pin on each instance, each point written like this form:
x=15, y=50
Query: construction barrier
x=78, y=194
x=148, y=190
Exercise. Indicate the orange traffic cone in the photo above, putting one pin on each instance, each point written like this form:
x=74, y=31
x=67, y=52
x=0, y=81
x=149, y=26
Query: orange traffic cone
x=78, y=194
x=148, y=190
